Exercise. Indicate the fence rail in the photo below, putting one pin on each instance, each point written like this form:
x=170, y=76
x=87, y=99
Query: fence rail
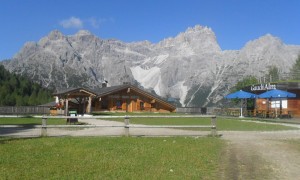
x=125, y=129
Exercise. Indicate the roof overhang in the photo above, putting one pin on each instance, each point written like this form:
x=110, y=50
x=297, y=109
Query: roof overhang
x=75, y=93
x=140, y=91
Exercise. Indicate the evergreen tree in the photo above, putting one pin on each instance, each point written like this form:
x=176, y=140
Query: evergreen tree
x=16, y=90
x=295, y=70
x=247, y=81
x=273, y=74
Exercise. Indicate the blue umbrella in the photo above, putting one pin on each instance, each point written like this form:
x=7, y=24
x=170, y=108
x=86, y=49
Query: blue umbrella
x=276, y=93
x=240, y=95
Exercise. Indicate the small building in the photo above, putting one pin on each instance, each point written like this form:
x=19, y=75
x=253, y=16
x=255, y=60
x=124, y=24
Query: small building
x=277, y=106
x=122, y=98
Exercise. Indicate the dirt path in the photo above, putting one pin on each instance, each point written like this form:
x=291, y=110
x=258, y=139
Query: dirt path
x=261, y=155
x=119, y=131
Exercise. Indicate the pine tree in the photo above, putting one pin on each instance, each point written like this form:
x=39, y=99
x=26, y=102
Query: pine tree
x=17, y=90
x=273, y=74
x=295, y=70
x=247, y=81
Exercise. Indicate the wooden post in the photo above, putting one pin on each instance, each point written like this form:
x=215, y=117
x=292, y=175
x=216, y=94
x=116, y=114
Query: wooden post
x=126, y=122
x=67, y=107
x=213, y=126
x=89, y=106
x=44, y=126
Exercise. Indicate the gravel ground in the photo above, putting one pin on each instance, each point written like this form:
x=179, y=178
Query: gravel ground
x=259, y=154
x=119, y=131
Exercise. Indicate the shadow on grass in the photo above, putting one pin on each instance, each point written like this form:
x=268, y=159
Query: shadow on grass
x=103, y=114
x=6, y=131
x=5, y=140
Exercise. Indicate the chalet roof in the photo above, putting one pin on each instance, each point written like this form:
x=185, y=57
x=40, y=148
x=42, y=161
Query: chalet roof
x=72, y=90
x=108, y=90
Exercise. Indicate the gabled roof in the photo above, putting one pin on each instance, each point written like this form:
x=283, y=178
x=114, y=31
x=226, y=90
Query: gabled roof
x=74, y=90
x=109, y=90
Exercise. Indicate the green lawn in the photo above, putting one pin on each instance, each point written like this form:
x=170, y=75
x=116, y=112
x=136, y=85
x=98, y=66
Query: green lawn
x=30, y=121
x=223, y=124
x=110, y=158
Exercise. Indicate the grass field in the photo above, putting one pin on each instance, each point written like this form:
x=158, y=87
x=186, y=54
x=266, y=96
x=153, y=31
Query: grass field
x=30, y=121
x=110, y=158
x=223, y=124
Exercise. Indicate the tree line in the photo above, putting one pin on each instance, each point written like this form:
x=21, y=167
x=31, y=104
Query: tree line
x=16, y=90
x=273, y=75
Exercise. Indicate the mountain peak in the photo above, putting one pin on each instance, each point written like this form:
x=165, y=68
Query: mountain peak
x=269, y=37
x=83, y=33
x=266, y=40
x=198, y=28
x=55, y=35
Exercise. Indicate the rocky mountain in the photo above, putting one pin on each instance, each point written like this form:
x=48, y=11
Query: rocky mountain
x=190, y=67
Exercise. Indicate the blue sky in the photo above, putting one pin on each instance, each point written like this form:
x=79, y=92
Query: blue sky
x=234, y=22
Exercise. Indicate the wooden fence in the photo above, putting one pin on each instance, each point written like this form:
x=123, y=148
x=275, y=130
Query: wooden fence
x=15, y=110
x=127, y=127
x=195, y=110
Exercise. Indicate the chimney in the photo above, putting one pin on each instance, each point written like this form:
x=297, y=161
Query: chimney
x=104, y=84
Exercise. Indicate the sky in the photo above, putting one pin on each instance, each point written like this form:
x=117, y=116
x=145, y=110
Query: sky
x=234, y=22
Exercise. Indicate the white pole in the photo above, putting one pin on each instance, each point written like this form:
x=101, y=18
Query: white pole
x=241, y=116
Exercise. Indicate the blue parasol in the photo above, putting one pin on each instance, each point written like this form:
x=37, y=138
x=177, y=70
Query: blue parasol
x=276, y=93
x=240, y=95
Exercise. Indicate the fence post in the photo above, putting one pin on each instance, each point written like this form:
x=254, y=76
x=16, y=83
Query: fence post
x=126, y=122
x=213, y=126
x=44, y=126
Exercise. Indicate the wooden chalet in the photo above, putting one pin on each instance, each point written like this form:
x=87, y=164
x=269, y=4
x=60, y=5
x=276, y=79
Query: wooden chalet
x=122, y=98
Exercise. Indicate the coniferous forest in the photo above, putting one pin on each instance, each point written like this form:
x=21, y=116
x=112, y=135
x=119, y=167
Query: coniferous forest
x=16, y=90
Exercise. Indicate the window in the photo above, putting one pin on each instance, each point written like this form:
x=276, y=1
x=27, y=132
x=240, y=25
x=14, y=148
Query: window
x=142, y=105
x=104, y=104
x=119, y=104
x=276, y=103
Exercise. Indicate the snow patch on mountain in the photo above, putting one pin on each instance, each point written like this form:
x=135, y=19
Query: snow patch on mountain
x=128, y=51
x=148, y=78
x=183, y=90
x=157, y=87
